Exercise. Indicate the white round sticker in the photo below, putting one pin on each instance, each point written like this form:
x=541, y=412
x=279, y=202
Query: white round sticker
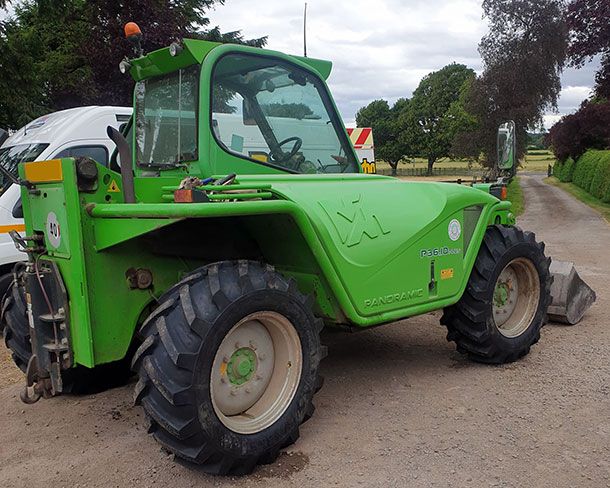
x=53, y=232
x=455, y=230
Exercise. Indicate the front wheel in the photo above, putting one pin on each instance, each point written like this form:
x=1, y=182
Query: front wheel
x=500, y=315
x=229, y=366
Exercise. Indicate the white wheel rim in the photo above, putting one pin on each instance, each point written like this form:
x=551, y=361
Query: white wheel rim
x=256, y=372
x=516, y=297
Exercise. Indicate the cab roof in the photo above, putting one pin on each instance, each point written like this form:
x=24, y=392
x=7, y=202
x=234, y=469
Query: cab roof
x=161, y=61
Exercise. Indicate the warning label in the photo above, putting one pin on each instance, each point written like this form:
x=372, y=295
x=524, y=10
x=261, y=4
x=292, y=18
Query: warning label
x=446, y=274
x=114, y=187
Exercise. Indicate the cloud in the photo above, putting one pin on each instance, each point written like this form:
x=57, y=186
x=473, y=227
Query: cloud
x=380, y=49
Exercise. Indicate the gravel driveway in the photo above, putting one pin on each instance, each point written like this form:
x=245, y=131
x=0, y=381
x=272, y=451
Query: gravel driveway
x=399, y=407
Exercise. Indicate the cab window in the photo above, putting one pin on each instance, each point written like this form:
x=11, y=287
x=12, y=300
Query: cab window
x=275, y=113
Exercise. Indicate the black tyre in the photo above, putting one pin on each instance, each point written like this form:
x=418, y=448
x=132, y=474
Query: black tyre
x=79, y=380
x=14, y=319
x=500, y=315
x=229, y=366
x=5, y=284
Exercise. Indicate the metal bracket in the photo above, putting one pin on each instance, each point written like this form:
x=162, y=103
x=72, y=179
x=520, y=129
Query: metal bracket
x=21, y=243
x=37, y=387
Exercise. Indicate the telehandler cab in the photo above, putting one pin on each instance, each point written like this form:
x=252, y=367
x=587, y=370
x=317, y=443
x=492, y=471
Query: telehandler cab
x=240, y=225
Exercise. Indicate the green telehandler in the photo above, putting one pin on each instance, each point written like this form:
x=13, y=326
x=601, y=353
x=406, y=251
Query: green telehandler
x=237, y=226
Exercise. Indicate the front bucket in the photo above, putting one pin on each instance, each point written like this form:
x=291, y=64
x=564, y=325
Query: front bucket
x=572, y=297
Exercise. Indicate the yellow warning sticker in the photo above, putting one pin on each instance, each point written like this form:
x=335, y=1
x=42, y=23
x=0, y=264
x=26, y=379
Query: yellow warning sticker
x=114, y=187
x=223, y=368
x=446, y=273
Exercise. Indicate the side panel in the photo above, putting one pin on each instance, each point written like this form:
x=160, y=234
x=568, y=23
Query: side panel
x=53, y=210
x=393, y=244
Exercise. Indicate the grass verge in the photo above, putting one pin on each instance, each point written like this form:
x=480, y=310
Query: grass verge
x=583, y=196
x=516, y=197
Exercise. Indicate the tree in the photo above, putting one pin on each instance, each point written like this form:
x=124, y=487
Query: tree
x=523, y=54
x=588, y=128
x=536, y=141
x=378, y=115
x=587, y=21
x=64, y=53
x=434, y=116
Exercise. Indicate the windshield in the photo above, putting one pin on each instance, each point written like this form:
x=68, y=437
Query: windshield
x=10, y=157
x=166, y=119
x=275, y=113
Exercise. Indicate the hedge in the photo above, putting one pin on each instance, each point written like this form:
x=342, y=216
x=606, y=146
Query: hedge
x=586, y=168
x=564, y=171
x=591, y=173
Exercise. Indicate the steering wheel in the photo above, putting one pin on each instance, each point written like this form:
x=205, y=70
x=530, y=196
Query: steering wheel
x=280, y=158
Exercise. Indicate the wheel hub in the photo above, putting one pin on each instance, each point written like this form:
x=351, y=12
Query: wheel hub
x=501, y=293
x=241, y=366
x=253, y=378
x=515, y=297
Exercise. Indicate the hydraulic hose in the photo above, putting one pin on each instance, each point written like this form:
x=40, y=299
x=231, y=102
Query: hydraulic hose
x=129, y=192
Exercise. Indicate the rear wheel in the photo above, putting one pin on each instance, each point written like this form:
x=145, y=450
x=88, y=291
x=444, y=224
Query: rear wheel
x=229, y=366
x=500, y=315
x=17, y=338
x=5, y=286
x=14, y=319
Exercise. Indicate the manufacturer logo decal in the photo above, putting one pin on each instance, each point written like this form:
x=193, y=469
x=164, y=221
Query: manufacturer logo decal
x=438, y=251
x=395, y=298
x=53, y=231
x=455, y=230
x=353, y=220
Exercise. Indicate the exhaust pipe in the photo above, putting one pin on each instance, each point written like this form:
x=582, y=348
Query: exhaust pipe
x=129, y=192
x=572, y=297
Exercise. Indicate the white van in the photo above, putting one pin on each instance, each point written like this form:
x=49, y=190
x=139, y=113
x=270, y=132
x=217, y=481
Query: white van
x=73, y=132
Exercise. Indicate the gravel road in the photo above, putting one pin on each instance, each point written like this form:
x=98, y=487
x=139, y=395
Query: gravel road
x=399, y=407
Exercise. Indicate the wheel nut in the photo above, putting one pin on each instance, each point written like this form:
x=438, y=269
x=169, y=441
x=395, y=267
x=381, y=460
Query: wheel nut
x=237, y=346
x=248, y=390
x=258, y=377
x=223, y=379
x=225, y=359
x=233, y=391
x=253, y=345
x=261, y=357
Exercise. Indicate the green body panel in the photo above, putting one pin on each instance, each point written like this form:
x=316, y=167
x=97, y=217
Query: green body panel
x=369, y=249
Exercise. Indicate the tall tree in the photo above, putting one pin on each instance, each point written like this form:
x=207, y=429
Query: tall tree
x=378, y=115
x=589, y=28
x=64, y=53
x=523, y=54
x=434, y=117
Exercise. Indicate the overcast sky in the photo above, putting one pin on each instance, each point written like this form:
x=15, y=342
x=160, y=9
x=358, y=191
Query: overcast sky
x=382, y=48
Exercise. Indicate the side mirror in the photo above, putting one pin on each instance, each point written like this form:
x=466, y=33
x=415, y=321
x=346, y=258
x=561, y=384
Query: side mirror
x=248, y=119
x=18, y=210
x=507, y=145
x=3, y=136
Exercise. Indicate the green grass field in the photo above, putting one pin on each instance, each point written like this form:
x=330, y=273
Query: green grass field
x=532, y=162
x=583, y=196
x=538, y=162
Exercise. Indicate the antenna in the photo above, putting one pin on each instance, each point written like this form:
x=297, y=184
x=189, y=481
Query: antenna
x=305, y=31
